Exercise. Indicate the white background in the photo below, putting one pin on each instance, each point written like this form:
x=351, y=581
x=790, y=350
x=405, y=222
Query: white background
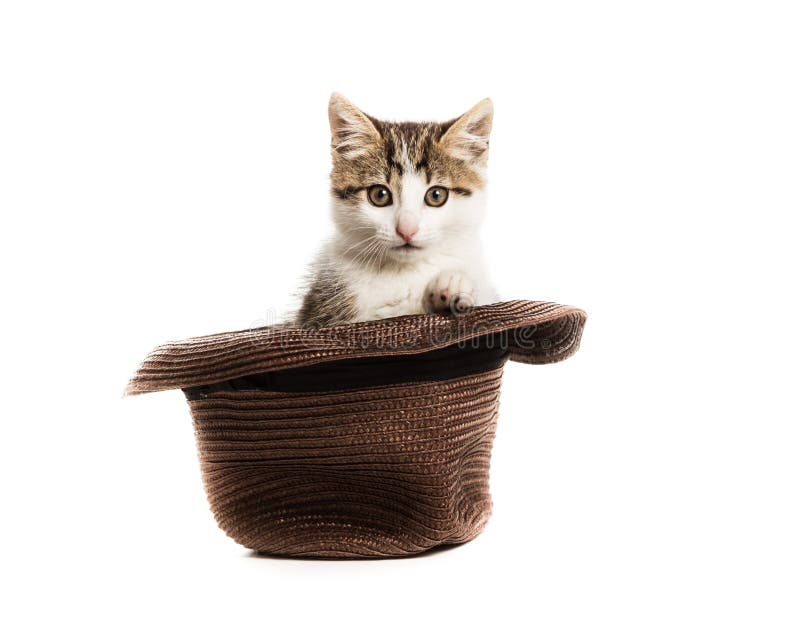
x=163, y=174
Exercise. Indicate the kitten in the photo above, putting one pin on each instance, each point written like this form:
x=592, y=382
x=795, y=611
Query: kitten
x=408, y=201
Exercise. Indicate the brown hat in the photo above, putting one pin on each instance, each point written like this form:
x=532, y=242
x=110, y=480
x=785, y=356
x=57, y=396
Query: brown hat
x=360, y=440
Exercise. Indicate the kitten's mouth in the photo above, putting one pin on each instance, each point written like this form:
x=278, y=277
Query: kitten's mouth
x=406, y=247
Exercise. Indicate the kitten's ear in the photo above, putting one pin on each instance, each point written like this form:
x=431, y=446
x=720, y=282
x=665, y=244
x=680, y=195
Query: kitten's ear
x=352, y=132
x=468, y=137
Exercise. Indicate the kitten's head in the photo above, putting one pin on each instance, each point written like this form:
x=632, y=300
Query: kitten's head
x=404, y=189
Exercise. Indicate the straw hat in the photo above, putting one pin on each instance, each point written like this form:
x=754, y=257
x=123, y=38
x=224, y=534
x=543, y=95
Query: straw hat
x=362, y=440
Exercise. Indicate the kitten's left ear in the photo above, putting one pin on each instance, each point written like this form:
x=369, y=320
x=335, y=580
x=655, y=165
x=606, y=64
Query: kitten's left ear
x=352, y=132
x=468, y=137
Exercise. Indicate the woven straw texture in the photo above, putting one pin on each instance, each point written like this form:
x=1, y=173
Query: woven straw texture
x=380, y=470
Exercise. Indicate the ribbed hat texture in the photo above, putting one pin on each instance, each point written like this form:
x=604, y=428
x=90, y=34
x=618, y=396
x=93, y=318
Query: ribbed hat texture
x=363, y=440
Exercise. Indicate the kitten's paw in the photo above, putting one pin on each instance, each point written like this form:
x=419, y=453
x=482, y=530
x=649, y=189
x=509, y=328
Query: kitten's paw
x=449, y=291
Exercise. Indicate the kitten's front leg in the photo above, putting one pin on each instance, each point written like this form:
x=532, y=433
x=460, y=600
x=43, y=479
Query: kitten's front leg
x=449, y=291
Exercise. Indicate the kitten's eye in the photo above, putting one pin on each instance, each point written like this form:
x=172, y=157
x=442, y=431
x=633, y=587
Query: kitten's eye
x=379, y=195
x=436, y=196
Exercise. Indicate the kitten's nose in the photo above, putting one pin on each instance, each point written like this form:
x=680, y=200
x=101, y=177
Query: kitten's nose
x=406, y=229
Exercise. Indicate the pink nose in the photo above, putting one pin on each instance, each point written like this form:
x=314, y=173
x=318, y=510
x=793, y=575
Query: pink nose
x=406, y=231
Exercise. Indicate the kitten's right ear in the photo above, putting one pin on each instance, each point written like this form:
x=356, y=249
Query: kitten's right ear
x=468, y=137
x=352, y=132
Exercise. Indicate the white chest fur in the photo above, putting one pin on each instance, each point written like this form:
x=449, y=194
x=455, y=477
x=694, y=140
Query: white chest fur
x=401, y=290
x=393, y=292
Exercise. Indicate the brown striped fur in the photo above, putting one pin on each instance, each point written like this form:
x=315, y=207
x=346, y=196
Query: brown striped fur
x=388, y=149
